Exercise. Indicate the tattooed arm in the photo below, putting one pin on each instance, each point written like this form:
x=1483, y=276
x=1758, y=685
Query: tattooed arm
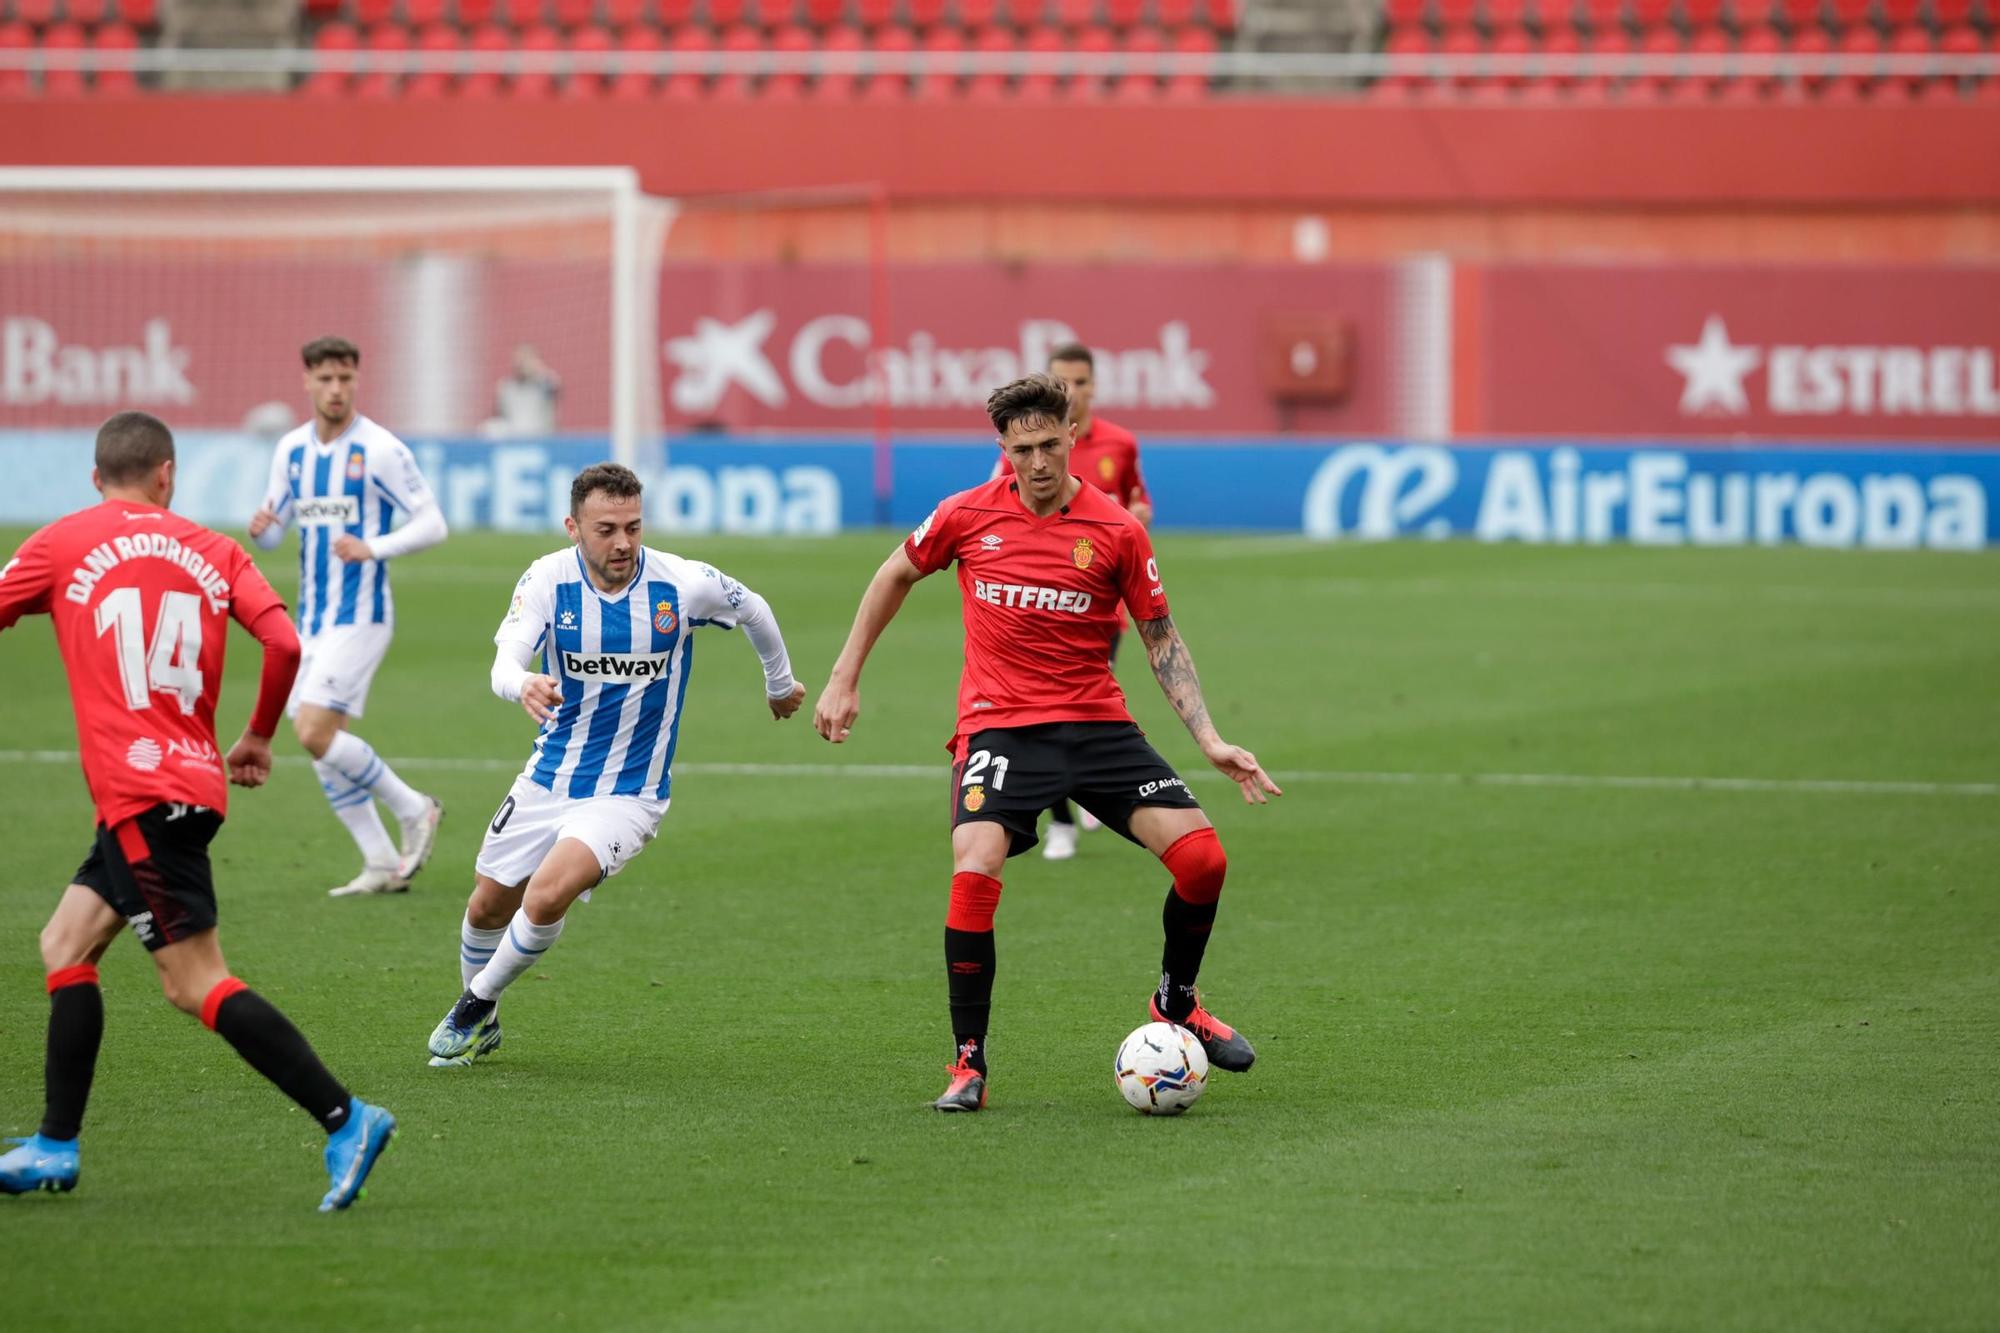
x=1173, y=667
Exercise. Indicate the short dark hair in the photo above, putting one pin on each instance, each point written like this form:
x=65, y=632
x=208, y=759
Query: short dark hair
x=1073, y=352
x=130, y=445
x=330, y=348
x=1032, y=396
x=614, y=479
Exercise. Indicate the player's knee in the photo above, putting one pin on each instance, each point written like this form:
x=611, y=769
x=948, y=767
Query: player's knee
x=61, y=948
x=183, y=993
x=1198, y=865
x=313, y=733
x=974, y=899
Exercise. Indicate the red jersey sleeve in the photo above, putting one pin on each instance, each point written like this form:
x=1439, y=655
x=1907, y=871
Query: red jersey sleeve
x=250, y=593
x=27, y=580
x=1139, y=577
x=1135, y=482
x=934, y=543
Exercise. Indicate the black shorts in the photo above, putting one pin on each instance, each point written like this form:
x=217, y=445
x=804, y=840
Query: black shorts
x=153, y=870
x=1009, y=775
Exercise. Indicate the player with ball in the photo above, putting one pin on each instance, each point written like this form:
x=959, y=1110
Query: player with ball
x=1044, y=564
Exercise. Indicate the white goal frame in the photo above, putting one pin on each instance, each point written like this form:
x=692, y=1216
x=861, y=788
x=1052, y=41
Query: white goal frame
x=634, y=303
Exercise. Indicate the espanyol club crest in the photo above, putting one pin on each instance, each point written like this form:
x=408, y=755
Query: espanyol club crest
x=356, y=465
x=975, y=796
x=1081, y=553
x=664, y=619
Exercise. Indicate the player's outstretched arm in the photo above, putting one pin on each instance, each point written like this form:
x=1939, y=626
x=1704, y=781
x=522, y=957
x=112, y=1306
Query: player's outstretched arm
x=759, y=624
x=1173, y=667
x=539, y=695
x=424, y=529
x=249, y=760
x=840, y=701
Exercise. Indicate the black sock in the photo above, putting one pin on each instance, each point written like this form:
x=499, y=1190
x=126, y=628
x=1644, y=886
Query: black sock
x=76, y=1028
x=1187, y=926
x=277, y=1050
x=1060, y=813
x=968, y=961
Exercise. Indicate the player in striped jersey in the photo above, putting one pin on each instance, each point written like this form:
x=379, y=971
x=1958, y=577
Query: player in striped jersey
x=341, y=478
x=613, y=622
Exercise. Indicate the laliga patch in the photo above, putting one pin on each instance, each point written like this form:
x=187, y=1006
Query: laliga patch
x=975, y=797
x=1082, y=553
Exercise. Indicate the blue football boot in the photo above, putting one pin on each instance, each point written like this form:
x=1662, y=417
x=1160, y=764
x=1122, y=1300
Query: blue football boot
x=351, y=1151
x=39, y=1164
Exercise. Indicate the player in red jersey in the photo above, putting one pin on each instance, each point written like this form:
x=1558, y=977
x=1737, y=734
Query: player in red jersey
x=1105, y=456
x=1044, y=564
x=141, y=599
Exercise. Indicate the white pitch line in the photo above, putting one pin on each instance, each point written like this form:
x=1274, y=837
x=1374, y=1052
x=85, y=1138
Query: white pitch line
x=1362, y=778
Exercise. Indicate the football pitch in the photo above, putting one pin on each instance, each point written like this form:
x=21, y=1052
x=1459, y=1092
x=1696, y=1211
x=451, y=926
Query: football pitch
x=1625, y=953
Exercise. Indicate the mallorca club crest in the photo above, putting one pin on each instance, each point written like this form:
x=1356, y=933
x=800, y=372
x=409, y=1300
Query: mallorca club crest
x=664, y=618
x=1107, y=468
x=1082, y=553
x=975, y=797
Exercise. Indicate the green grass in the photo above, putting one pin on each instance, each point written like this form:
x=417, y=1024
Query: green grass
x=1532, y=1057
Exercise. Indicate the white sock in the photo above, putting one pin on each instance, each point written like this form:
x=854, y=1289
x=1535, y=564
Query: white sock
x=356, y=760
x=475, y=949
x=522, y=945
x=356, y=809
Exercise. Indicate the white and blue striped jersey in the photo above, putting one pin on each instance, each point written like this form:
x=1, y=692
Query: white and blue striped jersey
x=353, y=484
x=623, y=664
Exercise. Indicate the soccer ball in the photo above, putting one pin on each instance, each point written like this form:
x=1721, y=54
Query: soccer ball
x=1161, y=1069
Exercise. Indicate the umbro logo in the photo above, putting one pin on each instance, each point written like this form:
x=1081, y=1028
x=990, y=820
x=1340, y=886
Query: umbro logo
x=990, y=540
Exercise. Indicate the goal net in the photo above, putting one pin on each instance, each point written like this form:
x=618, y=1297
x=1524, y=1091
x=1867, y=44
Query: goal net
x=514, y=303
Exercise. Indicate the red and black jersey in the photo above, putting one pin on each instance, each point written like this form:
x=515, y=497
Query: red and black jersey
x=1107, y=457
x=141, y=599
x=1042, y=600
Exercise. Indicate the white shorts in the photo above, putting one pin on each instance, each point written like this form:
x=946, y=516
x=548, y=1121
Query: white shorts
x=533, y=819
x=337, y=666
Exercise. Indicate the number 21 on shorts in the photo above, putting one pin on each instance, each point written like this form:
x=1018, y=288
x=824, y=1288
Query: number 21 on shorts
x=975, y=769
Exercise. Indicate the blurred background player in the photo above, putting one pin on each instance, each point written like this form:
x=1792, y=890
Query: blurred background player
x=613, y=621
x=524, y=403
x=339, y=478
x=1046, y=566
x=142, y=599
x=1106, y=456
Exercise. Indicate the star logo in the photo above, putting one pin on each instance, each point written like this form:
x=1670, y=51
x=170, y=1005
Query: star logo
x=718, y=355
x=1714, y=369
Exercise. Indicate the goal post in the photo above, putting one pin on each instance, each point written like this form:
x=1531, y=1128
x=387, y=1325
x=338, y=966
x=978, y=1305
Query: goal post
x=501, y=302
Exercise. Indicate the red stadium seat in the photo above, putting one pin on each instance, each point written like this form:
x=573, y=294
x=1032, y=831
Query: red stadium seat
x=589, y=40
x=370, y=13
x=115, y=37
x=1759, y=41
x=1461, y=43
x=419, y=14
x=673, y=13
x=789, y=85
x=1649, y=14
x=826, y=13
x=1126, y=13
x=1952, y=13
x=1174, y=13
x=1901, y=13
x=741, y=40
x=1076, y=13
x=1607, y=50
x=874, y=13
x=15, y=36
x=724, y=14
x=943, y=45
x=331, y=83
x=1189, y=84
x=436, y=39
x=538, y=81
x=1603, y=15
x=890, y=87
x=1811, y=42
x=521, y=15
x=1709, y=43
x=1849, y=13
x=383, y=78
x=1044, y=42
x=36, y=13
x=1563, y=43
x=835, y=85
x=1908, y=42
x=770, y=13
x=1455, y=13
x=1659, y=42
x=1404, y=13
x=475, y=13
x=1514, y=44
x=1856, y=42
x=620, y=15
x=687, y=84
x=324, y=11
x=1960, y=41
x=1025, y=14
x=1133, y=84
x=975, y=15
x=990, y=42
x=1506, y=13
x=86, y=12
x=487, y=41
x=637, y=39
x=573, y=13
x=1701, y=13
x=141, y=14
x=1799, y=14
x=1410, y=42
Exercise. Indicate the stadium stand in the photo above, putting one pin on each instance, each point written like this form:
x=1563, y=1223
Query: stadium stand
x=1515, y=32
